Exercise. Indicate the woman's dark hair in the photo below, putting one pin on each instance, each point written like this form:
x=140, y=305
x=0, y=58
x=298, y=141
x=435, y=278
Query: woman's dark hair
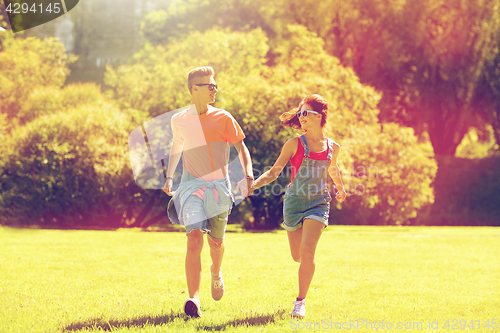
x=317, y=102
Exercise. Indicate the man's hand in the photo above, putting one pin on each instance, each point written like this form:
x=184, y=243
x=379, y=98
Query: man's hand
x=245, y=186
x=168, y=187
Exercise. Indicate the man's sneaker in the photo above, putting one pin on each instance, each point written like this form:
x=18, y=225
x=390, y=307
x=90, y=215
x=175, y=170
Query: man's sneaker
x=299, y=309
x=217, y=285
x=192, y=308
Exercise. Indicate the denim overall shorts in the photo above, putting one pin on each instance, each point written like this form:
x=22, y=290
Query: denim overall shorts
x=307, y=197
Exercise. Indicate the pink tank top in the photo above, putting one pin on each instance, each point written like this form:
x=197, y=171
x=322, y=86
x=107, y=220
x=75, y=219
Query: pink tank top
x=296, y=159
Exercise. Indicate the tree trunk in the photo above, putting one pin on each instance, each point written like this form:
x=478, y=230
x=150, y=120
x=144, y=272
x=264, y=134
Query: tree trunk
x=447, y=126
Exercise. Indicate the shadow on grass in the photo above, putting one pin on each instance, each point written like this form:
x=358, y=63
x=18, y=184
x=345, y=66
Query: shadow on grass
x=102, y=324
x=256, y=320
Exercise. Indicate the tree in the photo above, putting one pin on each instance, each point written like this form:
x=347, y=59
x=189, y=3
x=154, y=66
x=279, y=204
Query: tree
x=426, y=57
x=256, y=94
x=180, y=18
x=450, y=54
x=487, y=100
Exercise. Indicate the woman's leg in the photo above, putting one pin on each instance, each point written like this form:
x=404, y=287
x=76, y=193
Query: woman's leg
x=311, y=232
x=295, y=239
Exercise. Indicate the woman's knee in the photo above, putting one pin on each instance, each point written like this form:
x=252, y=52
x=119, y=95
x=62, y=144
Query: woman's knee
x=296, y=256
x=307, y=253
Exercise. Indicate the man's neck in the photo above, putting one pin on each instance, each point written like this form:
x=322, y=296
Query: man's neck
x=201, y=108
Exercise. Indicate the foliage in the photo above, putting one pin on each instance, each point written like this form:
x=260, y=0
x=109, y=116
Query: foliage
x=158, y=81
x=43, y=63
x=426, y=57
x=478, y=144
x=256, y=94
x=388, y=173
x=433, y=61
x=388, y=176
x=434, y=65
x=69, y=167
x=46, y=100
x=182, y=17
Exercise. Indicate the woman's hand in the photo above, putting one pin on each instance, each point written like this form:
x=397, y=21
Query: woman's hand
x=341, y=193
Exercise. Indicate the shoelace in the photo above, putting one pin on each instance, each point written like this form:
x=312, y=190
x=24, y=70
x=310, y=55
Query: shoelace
x=217, y=283
x=298, y=306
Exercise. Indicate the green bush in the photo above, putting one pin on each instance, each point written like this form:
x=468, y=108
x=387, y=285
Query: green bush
x=388, y=176
x=69, y=168
x=27, y=64
x=46, y=100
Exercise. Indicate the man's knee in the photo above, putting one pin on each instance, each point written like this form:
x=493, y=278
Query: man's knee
x=215, y=243
x=195, y=241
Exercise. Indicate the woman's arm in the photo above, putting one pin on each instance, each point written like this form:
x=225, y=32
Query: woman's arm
x=334, y=172
x=289, y=148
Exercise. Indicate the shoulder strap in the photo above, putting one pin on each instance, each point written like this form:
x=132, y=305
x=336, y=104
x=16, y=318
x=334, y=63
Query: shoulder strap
x=303, y=140
x=330, y=149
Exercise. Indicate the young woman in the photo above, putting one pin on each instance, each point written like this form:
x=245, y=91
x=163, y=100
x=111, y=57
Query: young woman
x=313, y=157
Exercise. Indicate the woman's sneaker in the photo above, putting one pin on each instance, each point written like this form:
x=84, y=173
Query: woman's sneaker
x=192, y=308
x=217, y=285
x=299, y=309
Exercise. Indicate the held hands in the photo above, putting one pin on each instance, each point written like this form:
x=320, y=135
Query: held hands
x=341, y=194
x=245, y=186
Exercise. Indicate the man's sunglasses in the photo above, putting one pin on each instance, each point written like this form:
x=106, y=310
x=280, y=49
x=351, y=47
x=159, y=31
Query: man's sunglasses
x=305, y=113
x=211, y=86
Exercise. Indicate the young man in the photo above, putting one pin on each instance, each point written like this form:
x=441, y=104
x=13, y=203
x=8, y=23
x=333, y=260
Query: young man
x=203, y=200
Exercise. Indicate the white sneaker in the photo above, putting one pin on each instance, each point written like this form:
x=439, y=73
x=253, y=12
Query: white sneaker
x=299, y=309
x=217, y=285
x=192, y=307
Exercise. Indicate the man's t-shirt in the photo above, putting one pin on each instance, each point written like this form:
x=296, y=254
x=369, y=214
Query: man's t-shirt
x=206, y=140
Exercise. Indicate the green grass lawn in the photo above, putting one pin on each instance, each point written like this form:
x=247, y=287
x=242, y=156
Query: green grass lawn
x=132, y=281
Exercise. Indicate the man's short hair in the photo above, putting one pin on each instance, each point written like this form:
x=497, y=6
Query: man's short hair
x=199, y=72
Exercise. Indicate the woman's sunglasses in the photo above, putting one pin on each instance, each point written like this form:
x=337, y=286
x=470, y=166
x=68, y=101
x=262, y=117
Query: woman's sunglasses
x=305, y=113
x=211, y=86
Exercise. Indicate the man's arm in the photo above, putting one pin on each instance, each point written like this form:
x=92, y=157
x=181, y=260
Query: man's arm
x=246, y=162
x=173, y=160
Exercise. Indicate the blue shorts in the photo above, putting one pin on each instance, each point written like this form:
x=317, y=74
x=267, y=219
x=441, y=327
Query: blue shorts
x=298, y=208
x=195, y=218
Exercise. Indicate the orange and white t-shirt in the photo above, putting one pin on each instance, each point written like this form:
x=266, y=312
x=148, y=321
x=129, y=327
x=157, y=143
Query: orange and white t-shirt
x=206, y=140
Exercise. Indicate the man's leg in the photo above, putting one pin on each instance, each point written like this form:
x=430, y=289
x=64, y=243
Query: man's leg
x=217, y=227
x=217, y=248
x=193, y=262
